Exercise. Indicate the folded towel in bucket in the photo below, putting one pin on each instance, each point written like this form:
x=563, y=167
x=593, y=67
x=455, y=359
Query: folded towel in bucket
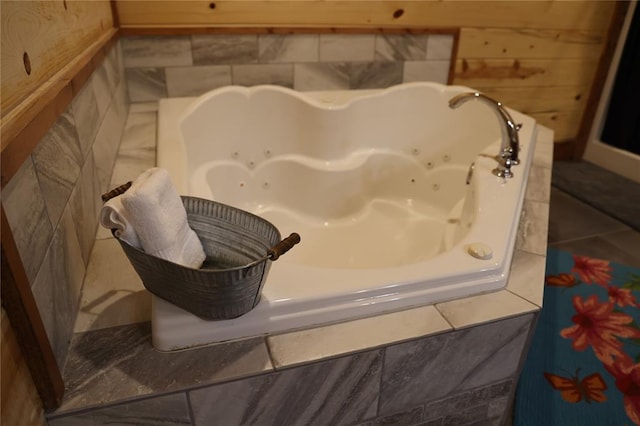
x=151, y=216
x=114, y=216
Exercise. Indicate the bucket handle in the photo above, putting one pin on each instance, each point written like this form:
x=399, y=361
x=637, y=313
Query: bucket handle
x=116, y=191
x=283, y=246
x=278, y=250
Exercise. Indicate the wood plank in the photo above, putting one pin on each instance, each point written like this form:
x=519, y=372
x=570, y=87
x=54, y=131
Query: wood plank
x=494, y=43
x=18, y=148
x=21, y=308
x=142, y=31
x=581, y=15
x=539, y=99
x=21, y=405
x=563, y=151
x=23, y=127
x=51, y=34
x=559, y=108
x=525, y=72
x=554, y=107
x=565, y=124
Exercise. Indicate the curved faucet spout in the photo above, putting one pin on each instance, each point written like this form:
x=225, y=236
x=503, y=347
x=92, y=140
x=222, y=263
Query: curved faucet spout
x=508, y=128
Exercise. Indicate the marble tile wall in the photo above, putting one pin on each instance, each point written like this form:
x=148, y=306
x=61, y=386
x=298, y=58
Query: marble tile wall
x=400, y=383
x=108, y=364
x=173, y=66
x=52, y=203
x=340, y=391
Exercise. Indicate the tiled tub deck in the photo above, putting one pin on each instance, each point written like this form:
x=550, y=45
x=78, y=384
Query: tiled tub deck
x=451, y=363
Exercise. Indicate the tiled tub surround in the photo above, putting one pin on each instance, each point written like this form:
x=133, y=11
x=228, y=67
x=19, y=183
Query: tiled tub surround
x=52, y=202
x=174, y=66
x=269, y=166
x=451, y=363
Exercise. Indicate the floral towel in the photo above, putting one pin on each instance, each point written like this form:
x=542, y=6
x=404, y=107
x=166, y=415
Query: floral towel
x=583, y=366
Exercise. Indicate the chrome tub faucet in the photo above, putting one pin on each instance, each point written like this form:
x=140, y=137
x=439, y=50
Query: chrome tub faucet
x=510, y=144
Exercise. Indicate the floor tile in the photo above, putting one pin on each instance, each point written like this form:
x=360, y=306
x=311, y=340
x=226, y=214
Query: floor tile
x=165, y=410
x=619, y=247
x=570, y=219
x=606, y=191
x=113, y=293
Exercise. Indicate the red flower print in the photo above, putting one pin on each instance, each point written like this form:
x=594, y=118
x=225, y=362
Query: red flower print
x=561, y=280
x=627, y=375
x=621, y=296
x=596, y=325
x=591, y=270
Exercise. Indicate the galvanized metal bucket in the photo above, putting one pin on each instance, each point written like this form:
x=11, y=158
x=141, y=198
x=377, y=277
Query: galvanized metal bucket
x=239, y=246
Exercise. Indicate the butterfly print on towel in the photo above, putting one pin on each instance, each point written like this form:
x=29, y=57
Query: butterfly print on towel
x=572, y=389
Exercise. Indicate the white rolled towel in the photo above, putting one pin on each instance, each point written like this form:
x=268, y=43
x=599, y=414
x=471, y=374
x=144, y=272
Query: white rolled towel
x=114, y=216
x=152, y=213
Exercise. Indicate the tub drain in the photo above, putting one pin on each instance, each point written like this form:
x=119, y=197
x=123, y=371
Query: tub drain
x=480, y=251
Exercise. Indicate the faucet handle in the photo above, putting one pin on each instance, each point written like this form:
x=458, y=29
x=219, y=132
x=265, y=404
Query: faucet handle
x=504, y=166
x=518, y=126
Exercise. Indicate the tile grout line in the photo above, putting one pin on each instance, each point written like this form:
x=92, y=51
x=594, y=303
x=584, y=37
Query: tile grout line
x=585, y=237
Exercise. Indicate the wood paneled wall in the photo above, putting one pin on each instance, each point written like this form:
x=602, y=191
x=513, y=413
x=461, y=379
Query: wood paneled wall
x=39, y=38
x=49, y=49
x=539, y=57
x=582, y=15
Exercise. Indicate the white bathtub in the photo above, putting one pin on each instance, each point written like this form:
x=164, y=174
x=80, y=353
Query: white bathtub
x=375, y=182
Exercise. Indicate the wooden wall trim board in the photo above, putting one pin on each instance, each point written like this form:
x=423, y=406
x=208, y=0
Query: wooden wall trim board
x=184, y=30
x=50, y=34
x=23, y=127
x=20, y=403
x=114, y=14
x=21, y=308
x=334, y=13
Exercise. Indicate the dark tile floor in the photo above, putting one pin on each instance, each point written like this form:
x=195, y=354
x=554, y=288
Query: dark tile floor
x=608, y=192
x=578, y=228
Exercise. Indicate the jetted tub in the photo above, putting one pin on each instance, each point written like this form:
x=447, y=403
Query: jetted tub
x=378, y=184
